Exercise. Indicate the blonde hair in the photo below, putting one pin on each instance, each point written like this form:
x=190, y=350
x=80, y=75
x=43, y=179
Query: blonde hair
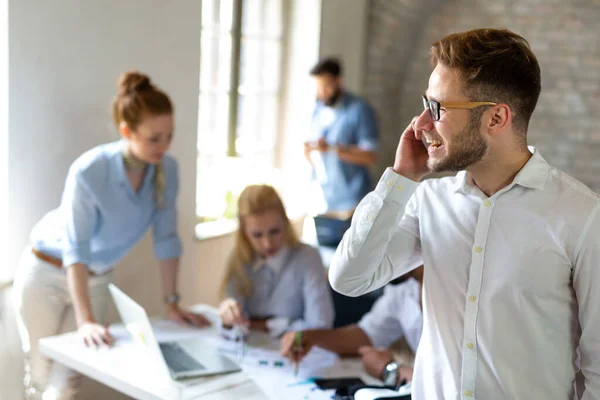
x=254, y=200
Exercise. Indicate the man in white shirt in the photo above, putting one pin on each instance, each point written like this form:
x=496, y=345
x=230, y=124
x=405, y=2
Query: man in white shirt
x=396, y=314
x=511, y=292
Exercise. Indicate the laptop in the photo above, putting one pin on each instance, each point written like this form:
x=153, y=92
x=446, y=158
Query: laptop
x=183, y=359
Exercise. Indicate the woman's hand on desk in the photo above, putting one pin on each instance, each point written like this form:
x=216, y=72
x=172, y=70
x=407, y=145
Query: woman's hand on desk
x=184, y=317
x=95, y=335
x=231, y=313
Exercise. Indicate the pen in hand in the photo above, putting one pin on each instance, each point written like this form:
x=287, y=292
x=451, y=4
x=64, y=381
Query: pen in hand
x=297, y=349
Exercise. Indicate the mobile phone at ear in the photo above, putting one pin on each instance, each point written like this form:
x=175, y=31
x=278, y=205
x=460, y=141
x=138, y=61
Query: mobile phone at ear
x=336, y=383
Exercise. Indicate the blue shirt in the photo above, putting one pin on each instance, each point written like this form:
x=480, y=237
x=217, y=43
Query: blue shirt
x=351, y=122
x=101, y=218
x=292, y=287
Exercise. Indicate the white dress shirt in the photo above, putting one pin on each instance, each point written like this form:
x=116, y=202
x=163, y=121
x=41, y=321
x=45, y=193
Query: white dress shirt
x=396, y=314
x=511, y=284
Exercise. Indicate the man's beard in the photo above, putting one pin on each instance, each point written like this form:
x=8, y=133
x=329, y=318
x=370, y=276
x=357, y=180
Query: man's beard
x=468, y=147
x=333, y=98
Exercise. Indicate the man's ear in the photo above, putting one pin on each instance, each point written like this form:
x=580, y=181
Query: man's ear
x=124, y=130
x=500, y=119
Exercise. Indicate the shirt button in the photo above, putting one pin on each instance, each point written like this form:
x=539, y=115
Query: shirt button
x=468, y=393
x=478, y=249
x=399, y=188
x=369, y=218
x=472, y=299
x=487, y=203
x=388, y=183
x=470, y=345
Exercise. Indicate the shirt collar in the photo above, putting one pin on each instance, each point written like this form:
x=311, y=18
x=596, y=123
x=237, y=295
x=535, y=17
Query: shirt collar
x=275, y=263
x=117, y=166
x=533, y=174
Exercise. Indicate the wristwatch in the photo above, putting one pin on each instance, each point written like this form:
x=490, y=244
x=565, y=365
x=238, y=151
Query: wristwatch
x=391, y=373
x=173, y=298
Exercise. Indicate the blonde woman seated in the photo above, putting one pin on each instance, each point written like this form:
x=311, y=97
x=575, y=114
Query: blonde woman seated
x=273, y=283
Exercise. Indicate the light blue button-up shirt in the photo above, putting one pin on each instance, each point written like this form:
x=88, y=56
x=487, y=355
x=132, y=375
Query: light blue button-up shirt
x=293, y=287
x=351, y=122
x=101, y=218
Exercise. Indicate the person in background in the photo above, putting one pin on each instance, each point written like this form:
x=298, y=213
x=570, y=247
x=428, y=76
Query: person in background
x=273, y=282
x=112, y=196
x=344, y=140
x=512, y=284
x=394, y=315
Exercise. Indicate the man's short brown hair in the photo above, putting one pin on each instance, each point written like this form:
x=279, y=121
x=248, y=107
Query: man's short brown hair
x=496, y=65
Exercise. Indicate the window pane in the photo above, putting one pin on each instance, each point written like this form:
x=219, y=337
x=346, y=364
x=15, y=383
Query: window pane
x=212, y=123
x=257, y=124
x=258, y=168
x=212, y=188
x=257, y=109
x=268, y=117
x=247, y=124
x=273, y=17
x=252, y=21
x=271, y=67
x=217, y=14
x=215, y=61
x=250, y=66
x=217, y=194
x=210, y=18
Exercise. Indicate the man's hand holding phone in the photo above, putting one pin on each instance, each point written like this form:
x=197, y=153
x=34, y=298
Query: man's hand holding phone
x=411, y=155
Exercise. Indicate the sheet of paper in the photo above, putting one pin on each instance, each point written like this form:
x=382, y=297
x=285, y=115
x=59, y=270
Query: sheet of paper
x=195, y=388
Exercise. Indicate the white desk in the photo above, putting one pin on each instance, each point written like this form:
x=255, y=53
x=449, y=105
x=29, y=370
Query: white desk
x=127, y=367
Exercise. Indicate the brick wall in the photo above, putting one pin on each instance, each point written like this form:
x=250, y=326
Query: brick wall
x=564, y=35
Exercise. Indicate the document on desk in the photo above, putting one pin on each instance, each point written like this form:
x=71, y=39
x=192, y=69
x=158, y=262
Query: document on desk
x=197, y=388
x=263, y=367
x=275, y=375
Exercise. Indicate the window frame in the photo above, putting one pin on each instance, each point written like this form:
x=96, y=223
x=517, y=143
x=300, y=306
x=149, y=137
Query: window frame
x=213, y=228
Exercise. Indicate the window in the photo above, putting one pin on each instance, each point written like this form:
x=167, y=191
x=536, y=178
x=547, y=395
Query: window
x=240, y=79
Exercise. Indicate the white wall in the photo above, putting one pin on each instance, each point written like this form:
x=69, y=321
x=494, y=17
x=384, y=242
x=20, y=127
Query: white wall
x=344, y=34
x=65, y=57
x=4, y=228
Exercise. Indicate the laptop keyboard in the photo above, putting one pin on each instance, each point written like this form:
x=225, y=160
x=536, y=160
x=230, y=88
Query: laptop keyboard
x=177, y=359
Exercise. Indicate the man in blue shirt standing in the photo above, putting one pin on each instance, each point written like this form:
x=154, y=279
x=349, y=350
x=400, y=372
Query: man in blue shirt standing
x=344, y=140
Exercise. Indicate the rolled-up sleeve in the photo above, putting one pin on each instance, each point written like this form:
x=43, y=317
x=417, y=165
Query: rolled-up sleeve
x=167, y=243
x=382, y=324
x=81, y=217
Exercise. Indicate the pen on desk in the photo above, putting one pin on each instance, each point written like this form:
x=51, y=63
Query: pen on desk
x=297, y=349
x=240, y=346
